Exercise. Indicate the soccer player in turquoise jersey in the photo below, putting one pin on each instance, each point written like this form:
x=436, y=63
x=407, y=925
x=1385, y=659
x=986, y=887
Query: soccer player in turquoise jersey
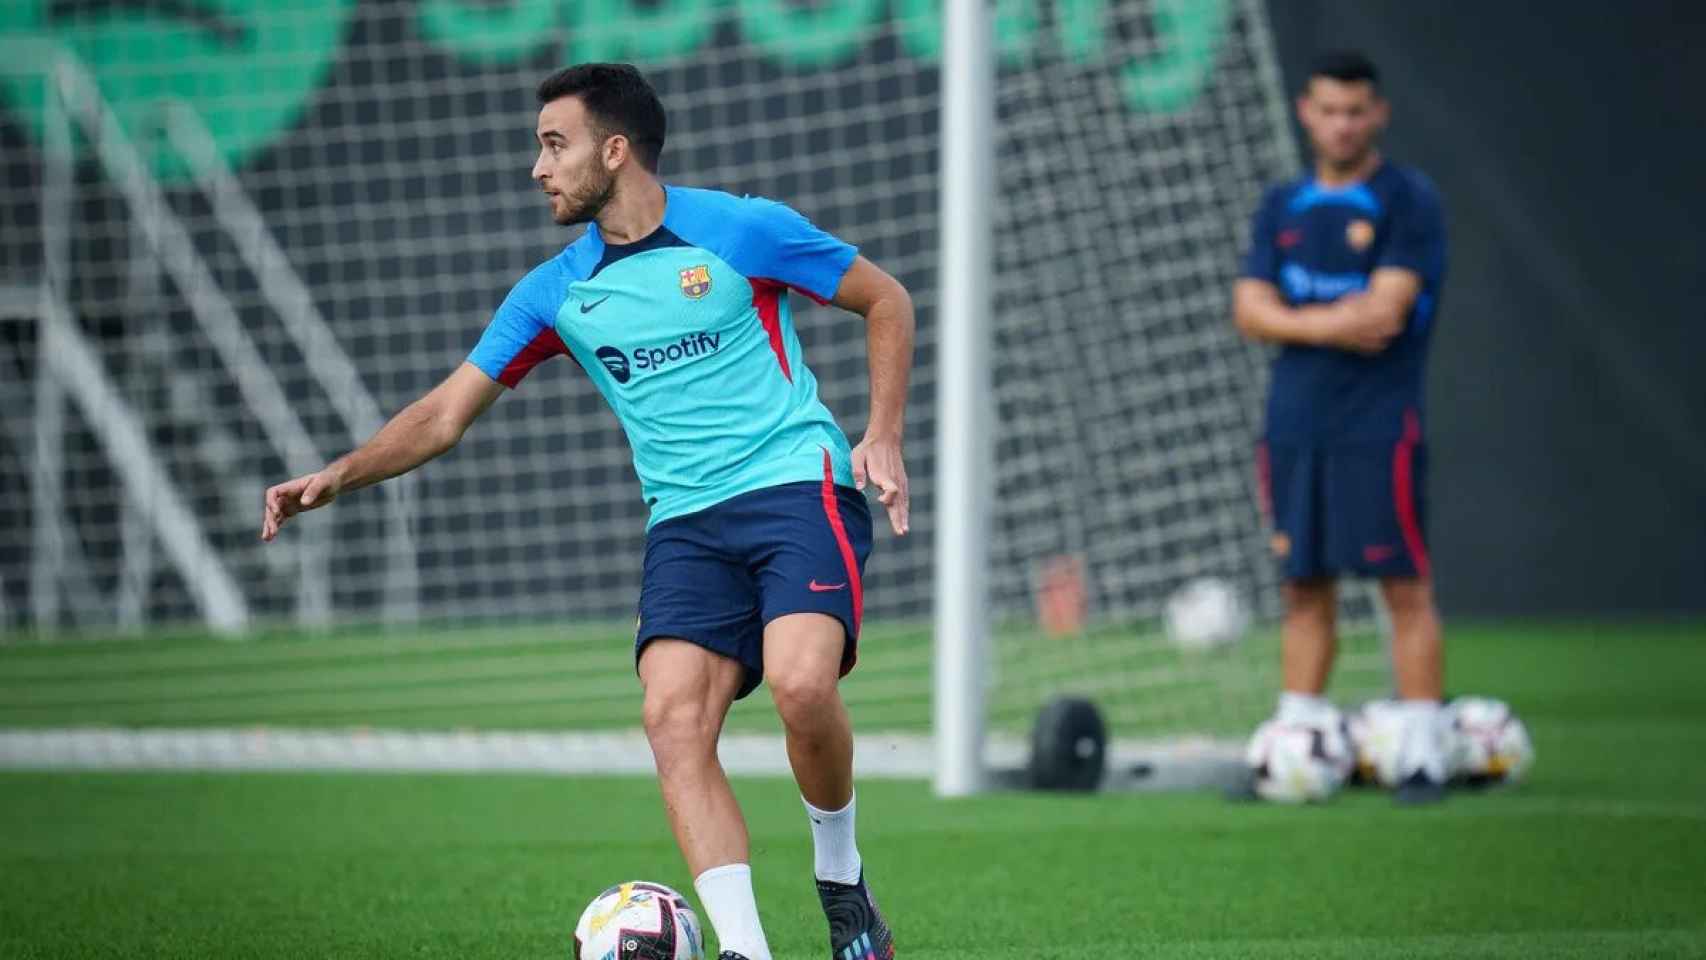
x=1344, y=274
x=675, y=303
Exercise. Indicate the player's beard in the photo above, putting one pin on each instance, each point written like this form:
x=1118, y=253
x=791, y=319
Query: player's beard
x=584, y=204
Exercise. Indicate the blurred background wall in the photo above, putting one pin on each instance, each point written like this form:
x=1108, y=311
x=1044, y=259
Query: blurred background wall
x=1568, y=387
x=386, y=144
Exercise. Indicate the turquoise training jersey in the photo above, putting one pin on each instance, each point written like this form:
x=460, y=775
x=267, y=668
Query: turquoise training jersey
x=688, y=335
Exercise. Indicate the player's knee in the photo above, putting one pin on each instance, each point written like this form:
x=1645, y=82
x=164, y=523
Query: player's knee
x=801, y=691
x=677, y=722
x=1407, y=596
x=1309, y=598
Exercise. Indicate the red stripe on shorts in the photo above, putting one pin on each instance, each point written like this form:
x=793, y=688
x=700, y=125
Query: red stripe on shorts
x=1404, y=492
x=832, y=510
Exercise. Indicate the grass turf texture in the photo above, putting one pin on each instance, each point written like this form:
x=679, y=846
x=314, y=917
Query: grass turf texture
x=1599, y=855
x=551, y=677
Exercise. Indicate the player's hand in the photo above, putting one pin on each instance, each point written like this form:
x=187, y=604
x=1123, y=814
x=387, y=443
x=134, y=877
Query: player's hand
x=1353, y=326
x=877, y=460
x=283, y=501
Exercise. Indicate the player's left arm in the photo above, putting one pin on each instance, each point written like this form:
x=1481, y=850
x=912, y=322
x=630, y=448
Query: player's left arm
x=1416, y=250
x=869, y=291
x=1379, y=312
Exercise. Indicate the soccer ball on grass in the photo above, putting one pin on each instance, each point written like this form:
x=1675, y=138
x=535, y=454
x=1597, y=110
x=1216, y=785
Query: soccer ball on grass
x=1489, y=744
x=1300, y=762
x=1205, y=613
x=639, y=921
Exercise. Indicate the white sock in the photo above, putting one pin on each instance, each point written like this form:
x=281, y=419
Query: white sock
x=726, y=893
x=1301, y=707
x=835, y=857
x=1421, y=744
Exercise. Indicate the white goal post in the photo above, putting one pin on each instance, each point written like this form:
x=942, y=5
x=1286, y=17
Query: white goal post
x=963, y=471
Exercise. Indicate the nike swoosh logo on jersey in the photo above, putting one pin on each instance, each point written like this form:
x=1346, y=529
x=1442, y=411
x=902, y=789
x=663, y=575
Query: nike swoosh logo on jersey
x=816, y=587
x=588, y=307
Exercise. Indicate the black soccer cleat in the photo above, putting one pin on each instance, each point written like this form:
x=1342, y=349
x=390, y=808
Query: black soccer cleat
x=856, y=927
x=730, y=955
x=1419, y=790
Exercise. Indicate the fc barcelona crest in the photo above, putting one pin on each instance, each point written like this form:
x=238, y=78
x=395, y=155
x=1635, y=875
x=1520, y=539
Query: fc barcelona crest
x=696, y=281
x=1359, y=234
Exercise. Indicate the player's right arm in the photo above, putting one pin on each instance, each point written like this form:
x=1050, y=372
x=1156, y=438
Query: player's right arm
x=519, y=337
x=419, y=432
x=1261, y=313
x=1346, y=323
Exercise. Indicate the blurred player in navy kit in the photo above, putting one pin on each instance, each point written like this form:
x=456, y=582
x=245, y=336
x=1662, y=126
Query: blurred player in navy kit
x=1343, y=275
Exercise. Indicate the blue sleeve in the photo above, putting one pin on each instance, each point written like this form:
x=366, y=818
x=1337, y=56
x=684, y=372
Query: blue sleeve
x=1261, y=259
x=780, y=244
x=1417, y=234
x=523, y=332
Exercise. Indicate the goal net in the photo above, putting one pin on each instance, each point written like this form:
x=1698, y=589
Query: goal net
x=286, y=218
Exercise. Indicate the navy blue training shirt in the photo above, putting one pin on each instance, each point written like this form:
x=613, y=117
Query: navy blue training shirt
x=1317, y=244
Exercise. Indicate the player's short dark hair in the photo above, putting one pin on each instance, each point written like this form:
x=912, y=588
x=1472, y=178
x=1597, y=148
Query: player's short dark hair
x=618, y=99
x=1345, y=66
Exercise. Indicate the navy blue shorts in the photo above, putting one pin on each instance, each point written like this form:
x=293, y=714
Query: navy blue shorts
x=1346, y=510
x=717, y=577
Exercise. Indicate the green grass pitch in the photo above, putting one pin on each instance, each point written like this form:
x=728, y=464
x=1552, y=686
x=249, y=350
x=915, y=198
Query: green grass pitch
x=1601, y=854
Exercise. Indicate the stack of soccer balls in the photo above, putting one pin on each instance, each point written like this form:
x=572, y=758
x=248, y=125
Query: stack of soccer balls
x=1308, y=761
x=639, y=921
x=1486, y=743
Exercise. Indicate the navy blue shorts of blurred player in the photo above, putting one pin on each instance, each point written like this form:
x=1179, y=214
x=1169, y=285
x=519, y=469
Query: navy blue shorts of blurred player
x=1352, y=510
x=717, y=577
